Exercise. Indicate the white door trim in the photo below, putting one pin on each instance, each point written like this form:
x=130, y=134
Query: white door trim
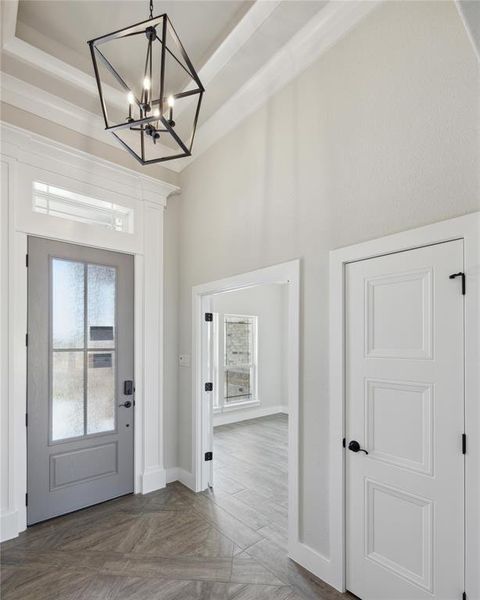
x=467, y=228
x=288, y=272
x=27, y=156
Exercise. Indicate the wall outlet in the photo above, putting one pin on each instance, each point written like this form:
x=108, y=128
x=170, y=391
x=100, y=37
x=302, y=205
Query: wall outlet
x=184, y=360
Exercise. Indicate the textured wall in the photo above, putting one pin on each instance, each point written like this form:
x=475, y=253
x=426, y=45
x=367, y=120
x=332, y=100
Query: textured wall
x=380, y=135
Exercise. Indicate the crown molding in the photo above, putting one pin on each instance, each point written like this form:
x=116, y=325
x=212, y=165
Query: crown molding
x=322, y=31
x=329, y=25
x=41, y=152
x=39, y=102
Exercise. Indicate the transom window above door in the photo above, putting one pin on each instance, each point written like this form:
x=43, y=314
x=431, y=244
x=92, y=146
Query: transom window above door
x=239, y=362
x=82, y=349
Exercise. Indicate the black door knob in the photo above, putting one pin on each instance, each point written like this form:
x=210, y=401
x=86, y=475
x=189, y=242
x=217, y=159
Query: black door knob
x=354, y=446
x=126, y=404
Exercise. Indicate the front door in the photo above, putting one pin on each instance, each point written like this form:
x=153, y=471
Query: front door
x=80, y=377
x=405, y=419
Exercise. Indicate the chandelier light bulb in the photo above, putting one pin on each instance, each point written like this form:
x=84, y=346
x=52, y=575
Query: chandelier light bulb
x=171, y=101
x=131, y=98
x=146, y=83
x=156, y=112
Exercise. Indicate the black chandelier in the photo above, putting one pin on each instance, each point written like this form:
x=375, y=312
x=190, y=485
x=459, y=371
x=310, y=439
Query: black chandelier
x=152, y=108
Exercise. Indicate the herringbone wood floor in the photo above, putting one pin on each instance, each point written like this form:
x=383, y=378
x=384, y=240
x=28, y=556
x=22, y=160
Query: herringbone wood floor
x=225, y=544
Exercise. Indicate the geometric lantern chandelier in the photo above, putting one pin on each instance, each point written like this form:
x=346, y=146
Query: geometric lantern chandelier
x=150, y=93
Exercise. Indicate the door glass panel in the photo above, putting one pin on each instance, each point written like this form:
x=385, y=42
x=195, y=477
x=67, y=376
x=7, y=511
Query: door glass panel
x=101, y=392
x=239, y=358
x=237, y=384
x=67, y=395
x=67, y=304
x=101, y=306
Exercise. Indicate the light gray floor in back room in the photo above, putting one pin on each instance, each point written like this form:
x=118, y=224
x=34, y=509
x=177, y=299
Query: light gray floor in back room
x=225, y=544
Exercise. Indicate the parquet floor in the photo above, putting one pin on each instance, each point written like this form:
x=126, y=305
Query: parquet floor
x=225, y=544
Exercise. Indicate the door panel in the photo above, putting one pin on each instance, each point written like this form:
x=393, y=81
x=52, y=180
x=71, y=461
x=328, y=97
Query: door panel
x=80, y=325
x=405, y=407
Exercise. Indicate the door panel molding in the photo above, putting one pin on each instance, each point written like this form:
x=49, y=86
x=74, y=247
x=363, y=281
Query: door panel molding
x=466, y=228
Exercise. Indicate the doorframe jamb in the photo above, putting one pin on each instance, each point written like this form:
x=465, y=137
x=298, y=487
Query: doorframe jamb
x=466, y=228
x=288, y=273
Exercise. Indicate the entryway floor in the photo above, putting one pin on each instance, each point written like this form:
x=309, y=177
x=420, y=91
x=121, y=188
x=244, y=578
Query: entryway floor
x=226, y=544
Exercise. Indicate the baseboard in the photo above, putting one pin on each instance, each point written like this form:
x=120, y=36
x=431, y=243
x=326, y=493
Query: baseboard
x=153, y=478
x=179, y=474
x=235, y=416
x=313, y=561
x=8, y=526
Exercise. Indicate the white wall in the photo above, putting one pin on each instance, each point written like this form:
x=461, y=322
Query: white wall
x=267, y=302
x=380, y=135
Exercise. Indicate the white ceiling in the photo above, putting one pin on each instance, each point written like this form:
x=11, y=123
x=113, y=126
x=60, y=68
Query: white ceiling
x=243, y=50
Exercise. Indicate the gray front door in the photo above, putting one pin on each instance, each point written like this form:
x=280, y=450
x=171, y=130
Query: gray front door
x=80, y=363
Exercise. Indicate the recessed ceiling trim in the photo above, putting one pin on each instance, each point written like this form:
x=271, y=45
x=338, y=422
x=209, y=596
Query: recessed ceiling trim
x=315, y=38
x=32, y=99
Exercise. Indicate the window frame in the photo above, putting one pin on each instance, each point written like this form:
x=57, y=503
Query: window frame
x=219, y=401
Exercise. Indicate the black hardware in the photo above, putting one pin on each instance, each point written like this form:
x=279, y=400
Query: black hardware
x=26, y=419
x=128, y=387
x=26, y=499
x=464, y=284
x=354, y=446
x=208, y=456
x=464, y=596
x=126, y=404
x=209, y=386
x=344, y=442
x=26, y=260
x=464, y=443
x=26, y=339
x=208, y=317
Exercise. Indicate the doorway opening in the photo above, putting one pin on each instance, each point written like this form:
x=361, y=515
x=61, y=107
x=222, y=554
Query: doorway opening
x=246, y=400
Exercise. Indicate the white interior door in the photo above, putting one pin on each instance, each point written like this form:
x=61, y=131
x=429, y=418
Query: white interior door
x=405, y=407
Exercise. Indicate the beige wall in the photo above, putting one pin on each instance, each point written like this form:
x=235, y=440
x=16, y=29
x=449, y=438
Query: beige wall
x=380, y=135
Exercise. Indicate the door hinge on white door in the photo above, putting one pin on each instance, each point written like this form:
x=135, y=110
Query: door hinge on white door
x=209, y=317
x=464, y=596
x=26, y=260
x=464, y=283
x=464, y=443
x=26, y=499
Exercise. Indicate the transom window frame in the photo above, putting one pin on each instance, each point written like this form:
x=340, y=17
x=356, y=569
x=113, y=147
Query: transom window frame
x=219, y=404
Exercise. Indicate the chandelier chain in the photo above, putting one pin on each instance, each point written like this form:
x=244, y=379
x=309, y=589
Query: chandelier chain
x=151, y=9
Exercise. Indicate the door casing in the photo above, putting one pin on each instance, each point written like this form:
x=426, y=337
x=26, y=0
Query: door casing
x=466, y=228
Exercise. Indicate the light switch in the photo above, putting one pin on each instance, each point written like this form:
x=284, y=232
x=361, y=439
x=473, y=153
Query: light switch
x=184, y=360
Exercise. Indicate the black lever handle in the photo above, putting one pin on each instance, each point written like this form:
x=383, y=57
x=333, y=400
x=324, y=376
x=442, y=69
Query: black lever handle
x=126, y=404
x=354, y=446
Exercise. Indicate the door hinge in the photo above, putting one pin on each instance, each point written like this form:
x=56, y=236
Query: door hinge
x=26, y=339
x=26, y=499
x=464, y=283
x=208, y=317
x=208, y=456
x=209, y=386
x=464, y=596
x=464, y=443
x=26, y=260
x=344, y=442
x=26, y=419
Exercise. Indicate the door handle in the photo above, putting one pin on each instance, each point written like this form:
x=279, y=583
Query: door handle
x=354, y=446
x=126, y=404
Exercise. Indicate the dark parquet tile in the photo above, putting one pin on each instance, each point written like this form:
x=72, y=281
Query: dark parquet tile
x=225, y=544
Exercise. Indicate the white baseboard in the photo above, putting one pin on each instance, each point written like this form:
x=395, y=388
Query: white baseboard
x=243, y=414
x=313, y=561
x=153, y=478
x=179, y=474
x=8, y=526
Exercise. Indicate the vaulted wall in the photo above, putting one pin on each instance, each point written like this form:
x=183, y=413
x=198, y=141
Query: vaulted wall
x=378, y=136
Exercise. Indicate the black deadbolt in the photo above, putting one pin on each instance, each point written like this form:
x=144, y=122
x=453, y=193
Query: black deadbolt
x=126, y=404
x=354, y=446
